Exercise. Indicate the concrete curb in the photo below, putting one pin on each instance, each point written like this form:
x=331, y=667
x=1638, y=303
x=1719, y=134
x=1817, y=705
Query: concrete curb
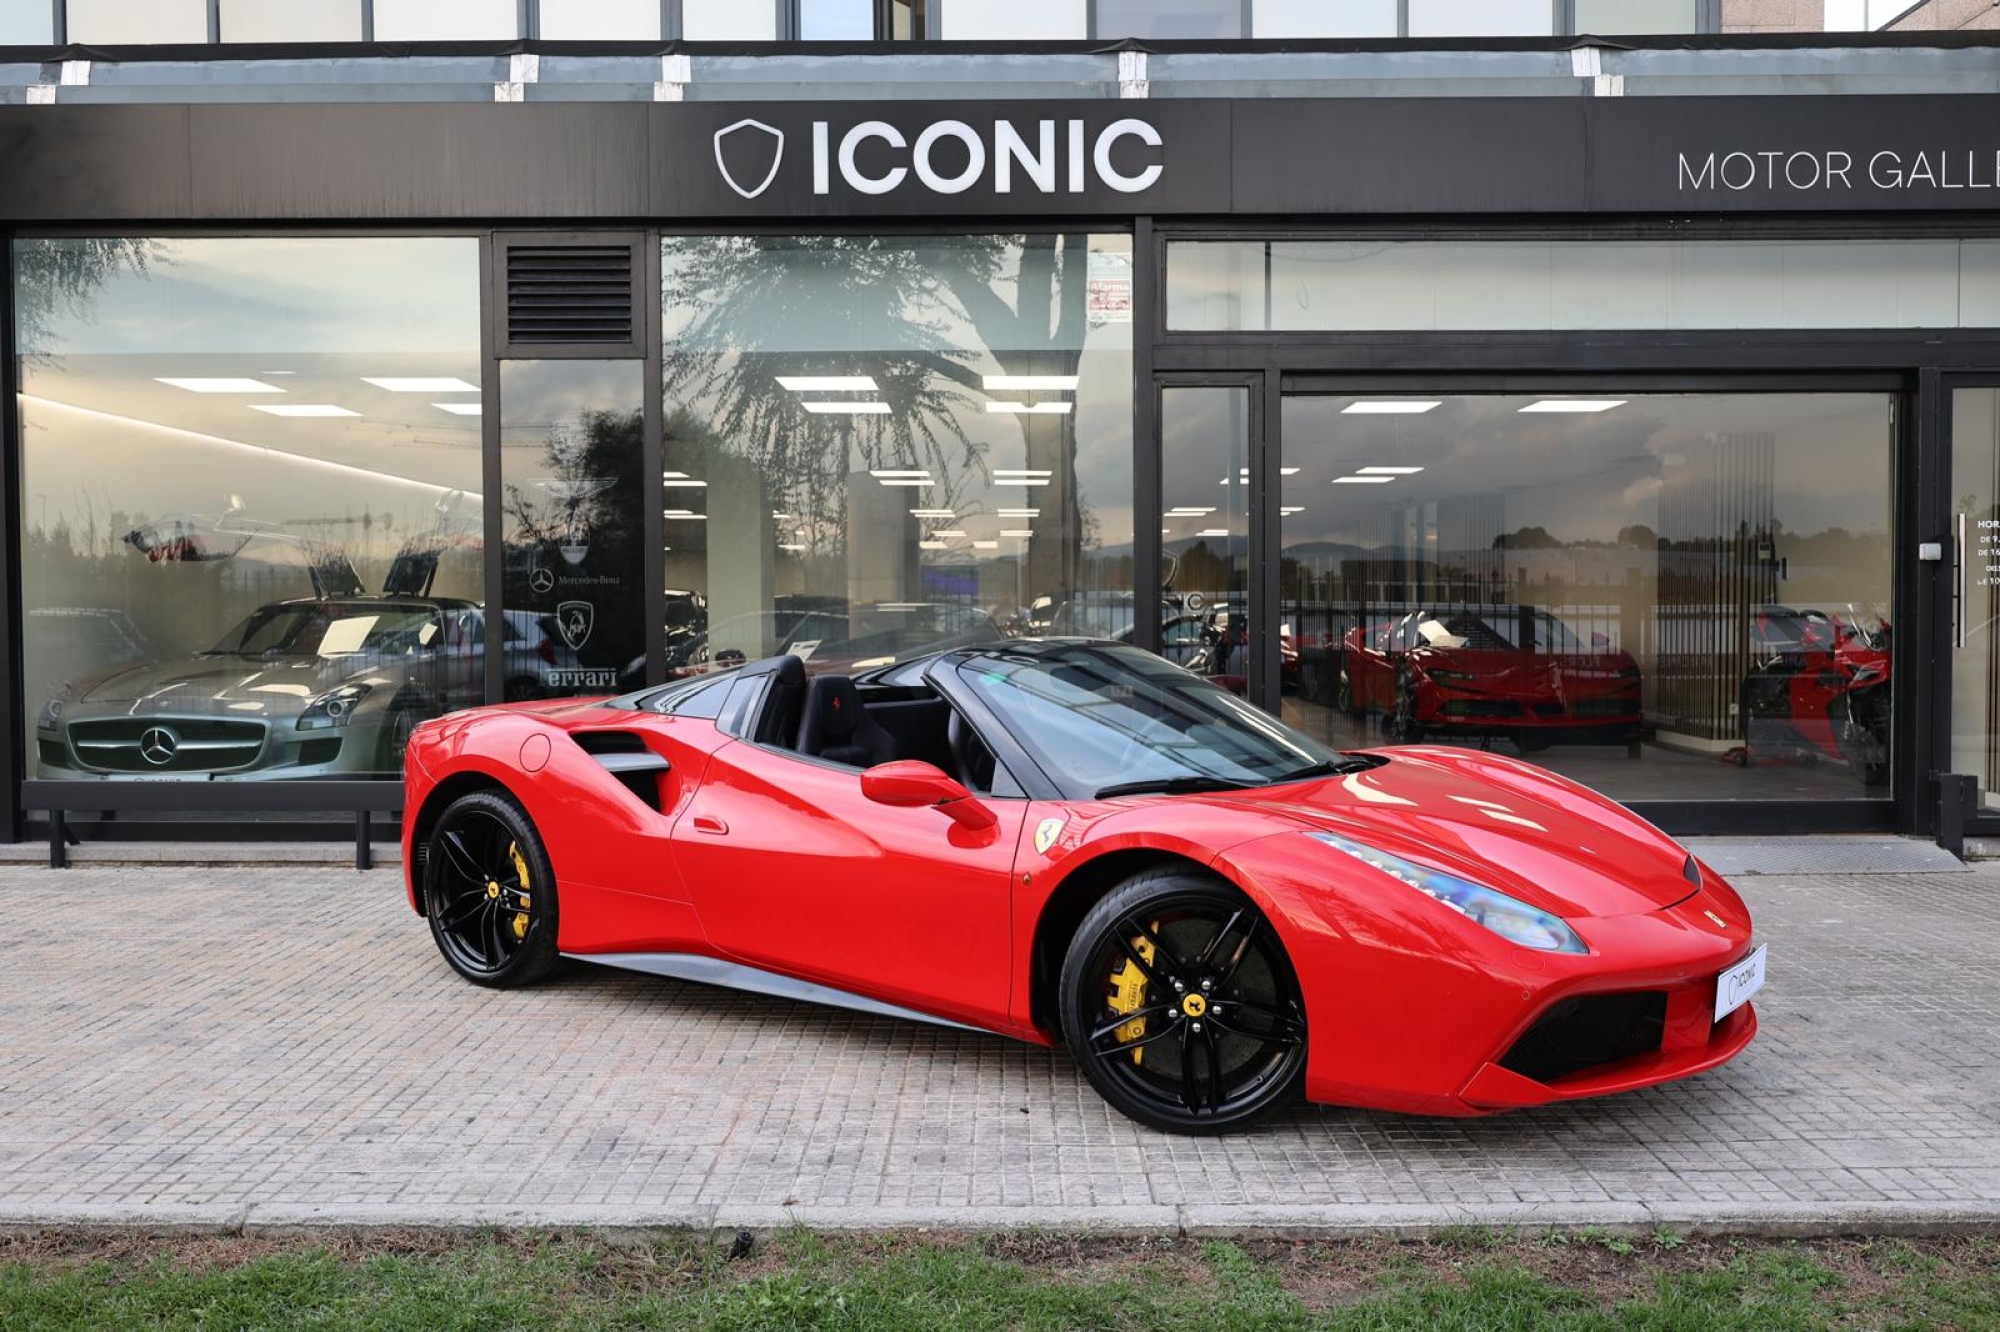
x=1232, y=1221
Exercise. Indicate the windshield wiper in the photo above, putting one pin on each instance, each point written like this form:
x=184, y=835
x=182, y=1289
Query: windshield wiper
x=1326, y=768
x=1174, y=786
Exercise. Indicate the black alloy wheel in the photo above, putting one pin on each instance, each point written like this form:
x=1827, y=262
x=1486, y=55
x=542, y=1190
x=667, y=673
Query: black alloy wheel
x=1181, y=1007
x=489, y=892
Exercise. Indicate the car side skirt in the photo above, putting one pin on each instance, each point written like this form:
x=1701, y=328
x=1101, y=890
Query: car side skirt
x=735, y=976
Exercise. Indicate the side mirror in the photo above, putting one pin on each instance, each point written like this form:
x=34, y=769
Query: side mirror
x=912, y=784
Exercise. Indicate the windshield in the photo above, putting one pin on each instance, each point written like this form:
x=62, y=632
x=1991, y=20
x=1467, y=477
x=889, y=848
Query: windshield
x=1543, y=632
x=1096, y=717
x=331, y=630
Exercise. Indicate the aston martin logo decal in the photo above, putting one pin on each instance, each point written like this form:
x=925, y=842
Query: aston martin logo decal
x=1046, y=834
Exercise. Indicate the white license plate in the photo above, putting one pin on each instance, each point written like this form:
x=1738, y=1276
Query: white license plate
x=1734, y=987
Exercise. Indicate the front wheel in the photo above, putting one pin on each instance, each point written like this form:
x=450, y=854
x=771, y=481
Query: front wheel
x=1402, y=722
x=490, y=893
x=1181, y=1007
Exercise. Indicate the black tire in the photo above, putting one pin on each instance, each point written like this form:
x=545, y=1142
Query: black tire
x=397, y=728
x=1312, y=684
x=1343, y=697
x=493, y=916
x=1226, y=1048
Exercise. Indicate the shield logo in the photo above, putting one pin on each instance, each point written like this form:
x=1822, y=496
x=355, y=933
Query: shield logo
x=1046, y=834
x=749, y=151
x=574, y=621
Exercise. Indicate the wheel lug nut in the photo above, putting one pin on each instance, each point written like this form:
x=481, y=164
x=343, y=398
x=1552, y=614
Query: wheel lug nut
x=1206, y=986
x=1197, y=1026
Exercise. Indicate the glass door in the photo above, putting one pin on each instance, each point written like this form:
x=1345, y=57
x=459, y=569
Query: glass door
x=1975, y=651
x=1206, y=531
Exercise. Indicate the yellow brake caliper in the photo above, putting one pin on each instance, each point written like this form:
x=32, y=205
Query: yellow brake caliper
x=1128, y=994
x=521, y=873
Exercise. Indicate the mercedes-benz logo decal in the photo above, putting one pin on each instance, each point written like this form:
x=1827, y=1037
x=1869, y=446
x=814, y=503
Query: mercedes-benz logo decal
x=541, y=580
x=158, y=745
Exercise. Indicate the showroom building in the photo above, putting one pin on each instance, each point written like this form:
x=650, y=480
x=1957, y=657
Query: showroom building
x=1631, y=405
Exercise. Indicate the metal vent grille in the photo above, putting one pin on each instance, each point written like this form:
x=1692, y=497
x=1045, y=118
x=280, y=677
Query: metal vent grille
x=578, y=295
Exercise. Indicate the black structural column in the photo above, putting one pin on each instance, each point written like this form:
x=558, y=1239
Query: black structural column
x=1146, y=327
x=12, y=720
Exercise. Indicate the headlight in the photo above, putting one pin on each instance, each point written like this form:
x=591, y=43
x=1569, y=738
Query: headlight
x=1511, y=919
x=52, y=708
x=333, y=708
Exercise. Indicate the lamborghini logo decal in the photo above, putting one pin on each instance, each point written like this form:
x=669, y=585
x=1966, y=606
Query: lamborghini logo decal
x=1046, y=834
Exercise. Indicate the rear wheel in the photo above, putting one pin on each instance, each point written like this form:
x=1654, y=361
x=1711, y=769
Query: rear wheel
x=489, y=892
x=1181, y=1007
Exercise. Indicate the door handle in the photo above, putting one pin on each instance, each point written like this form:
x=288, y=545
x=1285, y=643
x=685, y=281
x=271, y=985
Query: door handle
x=708, y=823
x=1958, y=593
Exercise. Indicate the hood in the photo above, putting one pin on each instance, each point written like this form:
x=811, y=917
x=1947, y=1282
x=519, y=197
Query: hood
x=1500, y=663
x=1496, y=821
x=206, y=684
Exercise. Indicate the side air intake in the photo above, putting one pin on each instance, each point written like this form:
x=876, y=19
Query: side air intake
x=625, y=756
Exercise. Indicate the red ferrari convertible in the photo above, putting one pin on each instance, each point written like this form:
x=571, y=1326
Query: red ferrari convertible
x=1074, y=842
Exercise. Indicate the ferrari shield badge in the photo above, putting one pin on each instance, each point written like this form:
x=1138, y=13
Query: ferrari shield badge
x=1046, y=834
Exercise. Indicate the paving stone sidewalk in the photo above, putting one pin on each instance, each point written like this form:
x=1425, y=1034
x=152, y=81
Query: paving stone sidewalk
x=268, y=1046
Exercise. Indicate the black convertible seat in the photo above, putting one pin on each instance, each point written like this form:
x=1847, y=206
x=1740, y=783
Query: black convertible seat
x=838, y=729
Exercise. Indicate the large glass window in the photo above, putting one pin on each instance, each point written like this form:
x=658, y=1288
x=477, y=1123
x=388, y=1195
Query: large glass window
x=289, y=21
x=1975, y=657
x=600, y=20
x=837, y=20
x=1481, y=18
x=729, y=21
x=1374, y=286
x=1018, y=20
x=445, y=20
x=1324, y=18
x=1205, y=531
x=572, y=448
x=118, y=22
x=26, y=23
x=1667, y=597
x=250, y=501
x=1630, y=17
x=879, y=445
x=1169, y=18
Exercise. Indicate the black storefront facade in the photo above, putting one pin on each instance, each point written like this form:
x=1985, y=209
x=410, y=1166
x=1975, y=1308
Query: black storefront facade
x=330, y=417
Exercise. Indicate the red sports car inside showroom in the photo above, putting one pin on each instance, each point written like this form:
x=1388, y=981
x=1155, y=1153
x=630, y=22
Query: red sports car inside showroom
x=1075, y=843
x=1513, y=671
